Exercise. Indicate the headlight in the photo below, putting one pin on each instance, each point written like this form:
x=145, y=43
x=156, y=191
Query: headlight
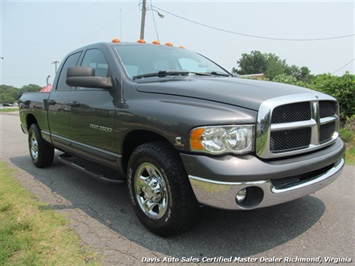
x=223, y=139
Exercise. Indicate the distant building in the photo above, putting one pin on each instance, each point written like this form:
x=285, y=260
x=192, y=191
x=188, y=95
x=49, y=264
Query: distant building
x=254, y=76
x=48, y=88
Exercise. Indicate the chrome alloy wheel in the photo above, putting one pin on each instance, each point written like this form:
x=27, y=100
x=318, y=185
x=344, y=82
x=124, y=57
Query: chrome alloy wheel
x=151, y=191
x=34, y=147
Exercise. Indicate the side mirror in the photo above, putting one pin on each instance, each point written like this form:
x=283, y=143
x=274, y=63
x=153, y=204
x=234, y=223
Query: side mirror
x=85, y=77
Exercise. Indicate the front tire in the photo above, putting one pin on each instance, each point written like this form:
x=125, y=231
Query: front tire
x=41, y=152
x=160, y=191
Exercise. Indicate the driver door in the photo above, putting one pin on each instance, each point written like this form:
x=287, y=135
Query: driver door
x=92, y=111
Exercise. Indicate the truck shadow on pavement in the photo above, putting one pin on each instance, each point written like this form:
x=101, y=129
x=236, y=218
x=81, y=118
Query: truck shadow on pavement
x=216, y=232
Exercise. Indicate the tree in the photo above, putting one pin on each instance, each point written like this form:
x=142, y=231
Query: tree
x=293, y=71
x=252, y=63
x=301, y=74
x=274, y=66
x=30, y=88
x=306, y=75
x=10, y=94
x=271, y=65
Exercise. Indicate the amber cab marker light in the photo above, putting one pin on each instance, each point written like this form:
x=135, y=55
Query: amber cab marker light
x=169, y=44
x=182, y=47
x=141, y=41
x=195, y=139
x=156, y=42
x=116, y=40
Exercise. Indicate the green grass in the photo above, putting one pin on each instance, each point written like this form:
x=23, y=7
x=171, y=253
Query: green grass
x=31, y=233
x=348, y=136
x=350, y=156
x=8, y=109
x=347, y=133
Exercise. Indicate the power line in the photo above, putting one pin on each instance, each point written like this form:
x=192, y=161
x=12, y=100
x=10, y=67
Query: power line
x=93, y=33
x=344, y=66
x=155, y=25
x=257, y=36
x=45, y=61
x=53, y=32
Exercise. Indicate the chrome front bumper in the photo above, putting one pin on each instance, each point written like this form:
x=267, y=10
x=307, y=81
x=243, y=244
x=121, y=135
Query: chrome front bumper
x=223, y=194
x=216, y=181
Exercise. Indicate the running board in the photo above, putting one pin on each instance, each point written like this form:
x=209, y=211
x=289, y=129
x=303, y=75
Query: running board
x=92, y=169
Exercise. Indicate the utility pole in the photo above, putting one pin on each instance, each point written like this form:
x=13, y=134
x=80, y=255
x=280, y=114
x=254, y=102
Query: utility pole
x=55, y=65
x=144, y=11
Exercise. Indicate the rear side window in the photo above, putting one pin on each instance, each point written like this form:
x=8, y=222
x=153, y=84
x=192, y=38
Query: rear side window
x=71, y=61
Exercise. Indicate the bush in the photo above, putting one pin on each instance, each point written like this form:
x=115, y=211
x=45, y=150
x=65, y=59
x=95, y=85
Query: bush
x=346, y=135
x=283, y=78
x=342, y=88
x=347, y=132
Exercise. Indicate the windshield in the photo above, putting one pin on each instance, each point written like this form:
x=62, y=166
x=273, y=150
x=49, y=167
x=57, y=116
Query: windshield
x=142, y=61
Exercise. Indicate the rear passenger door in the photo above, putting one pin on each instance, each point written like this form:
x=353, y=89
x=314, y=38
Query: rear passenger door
x=92, y=112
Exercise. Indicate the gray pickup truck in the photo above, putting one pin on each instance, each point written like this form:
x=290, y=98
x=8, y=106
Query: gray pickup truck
x=183, y=132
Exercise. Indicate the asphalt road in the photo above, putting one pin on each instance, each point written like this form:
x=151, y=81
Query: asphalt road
x=319, y=227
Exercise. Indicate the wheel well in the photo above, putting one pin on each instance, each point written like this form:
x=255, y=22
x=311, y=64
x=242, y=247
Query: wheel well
x=133, y=140
x=30, y=119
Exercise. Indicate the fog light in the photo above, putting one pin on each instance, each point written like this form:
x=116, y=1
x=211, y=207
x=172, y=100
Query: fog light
x=241, y=195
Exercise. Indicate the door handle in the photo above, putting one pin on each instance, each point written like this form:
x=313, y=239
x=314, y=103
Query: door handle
x=52, y=102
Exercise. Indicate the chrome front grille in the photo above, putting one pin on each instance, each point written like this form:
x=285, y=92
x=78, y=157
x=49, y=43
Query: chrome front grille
x=291, y=113
x=296, y=124
x=326, y=132
x=290, y=140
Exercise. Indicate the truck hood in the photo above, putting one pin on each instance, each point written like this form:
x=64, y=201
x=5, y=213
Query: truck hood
x=234, y=91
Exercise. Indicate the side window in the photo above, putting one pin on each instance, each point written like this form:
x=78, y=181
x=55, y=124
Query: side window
x=96, y=59
x=71, y=61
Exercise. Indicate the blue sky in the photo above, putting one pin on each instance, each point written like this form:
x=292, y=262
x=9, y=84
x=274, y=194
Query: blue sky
x=35, y=34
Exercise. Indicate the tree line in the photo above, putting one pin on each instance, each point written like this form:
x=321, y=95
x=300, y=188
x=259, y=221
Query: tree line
x=271, y=66
x=10, y=94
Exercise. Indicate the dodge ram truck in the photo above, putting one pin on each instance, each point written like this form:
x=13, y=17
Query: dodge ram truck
x=182, y=132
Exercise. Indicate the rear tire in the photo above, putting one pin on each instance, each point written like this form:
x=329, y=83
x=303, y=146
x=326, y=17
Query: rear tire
x=160, y=191
x=41, y=152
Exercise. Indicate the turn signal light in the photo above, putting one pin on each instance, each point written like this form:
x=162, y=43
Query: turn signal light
x=195, y=139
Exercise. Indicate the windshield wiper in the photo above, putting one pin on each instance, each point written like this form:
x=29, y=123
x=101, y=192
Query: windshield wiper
x=162, y=74
x=214, y=73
